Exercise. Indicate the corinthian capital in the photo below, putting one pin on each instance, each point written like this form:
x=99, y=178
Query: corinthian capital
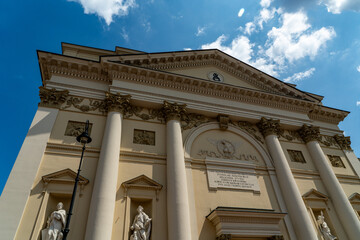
x=173, y=111
x=269, y=126
x=344, y=142
x=117, y=102
x=309, y=133
x=52, y=97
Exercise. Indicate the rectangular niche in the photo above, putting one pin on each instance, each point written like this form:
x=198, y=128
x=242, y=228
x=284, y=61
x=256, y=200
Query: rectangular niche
x=147, y=205
x=336, y=161
x=144, y=137
x=296, y=156
x=74, y=129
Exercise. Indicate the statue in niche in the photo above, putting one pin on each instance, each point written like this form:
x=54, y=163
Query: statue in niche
x=141, y=226
x=55, y=224
x=324, y=228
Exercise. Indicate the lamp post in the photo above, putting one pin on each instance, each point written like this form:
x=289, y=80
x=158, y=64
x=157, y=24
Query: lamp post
x=83, y=138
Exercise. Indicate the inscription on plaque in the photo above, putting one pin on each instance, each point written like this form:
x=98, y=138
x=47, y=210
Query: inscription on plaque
x=233, y=180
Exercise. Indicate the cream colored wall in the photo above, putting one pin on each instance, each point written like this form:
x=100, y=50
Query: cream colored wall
x=348, y=170
x=202, y=72
x=309, y=165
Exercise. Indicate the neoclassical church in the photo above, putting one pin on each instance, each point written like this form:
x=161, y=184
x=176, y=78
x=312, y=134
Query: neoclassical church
x=185, y=145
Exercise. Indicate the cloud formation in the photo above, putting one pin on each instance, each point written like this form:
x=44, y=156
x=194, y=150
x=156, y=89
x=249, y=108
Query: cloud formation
x=241, y=12
x=200, y=31
x=358, y=68
x=358, y=103
x=299, y=76
x=338, y=6
x=106, y=9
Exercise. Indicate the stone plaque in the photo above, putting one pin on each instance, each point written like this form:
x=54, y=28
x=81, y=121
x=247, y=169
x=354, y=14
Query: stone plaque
x=233, y=180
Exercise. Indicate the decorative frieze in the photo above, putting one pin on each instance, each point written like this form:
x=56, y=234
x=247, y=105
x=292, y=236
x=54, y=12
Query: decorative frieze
x=309, y=133
x=251, y=129
x=85, y=104
x=224, y=237
x=173, y=111
x=296, y=156
x=74, y=129
x=52, y=97
x=117, y=102
x=144, y=137
x=269, y=127
x=344, y=142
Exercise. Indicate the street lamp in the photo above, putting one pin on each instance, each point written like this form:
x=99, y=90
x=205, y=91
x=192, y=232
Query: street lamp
x=83, y=138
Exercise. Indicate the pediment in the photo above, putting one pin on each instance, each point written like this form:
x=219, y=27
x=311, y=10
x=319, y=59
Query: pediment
x=143, y=182
x=355, y=198
x=313, y=194
x=65, y=176
x=199, y=63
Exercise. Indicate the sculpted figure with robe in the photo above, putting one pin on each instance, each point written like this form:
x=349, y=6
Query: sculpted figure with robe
x=141, y=226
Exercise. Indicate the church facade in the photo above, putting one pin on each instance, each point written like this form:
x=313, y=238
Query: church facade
x=208, y=146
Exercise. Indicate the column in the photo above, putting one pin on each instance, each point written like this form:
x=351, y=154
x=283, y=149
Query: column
x=102, y=207
x=297, y=210
x=341, y=203
x=177, y=194
x=17, y=189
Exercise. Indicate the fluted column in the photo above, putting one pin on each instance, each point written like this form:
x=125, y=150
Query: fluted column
x=177, y=193
x=341, y=203
x=101, y=214
x=293, y=200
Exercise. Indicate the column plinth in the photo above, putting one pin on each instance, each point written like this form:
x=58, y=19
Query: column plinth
x=177, y=193
x=297, y=210
x=341, y=203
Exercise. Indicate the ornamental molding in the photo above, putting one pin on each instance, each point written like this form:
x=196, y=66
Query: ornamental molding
x=117, y=103
x=173, y=111
x=354, y=198
x=315, y=195
x=284, y=98
x=142, y=182
x=65, y=176
x=85, y=104
x=344, y=142
x=309, y=133
x=52, y=97
x=269, y=127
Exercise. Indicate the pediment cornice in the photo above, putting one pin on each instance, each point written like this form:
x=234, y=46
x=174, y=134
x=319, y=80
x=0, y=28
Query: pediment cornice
x=315, y=195
x=65, y=176
x=55, y=64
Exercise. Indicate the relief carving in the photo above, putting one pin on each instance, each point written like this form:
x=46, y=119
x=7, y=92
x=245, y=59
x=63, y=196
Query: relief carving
x=224, y=237
x=74, y=129
x=309, y=133
x=251, y=129
x=78, y=103
x=290, y=135
x=52, y=97
x=144, y=137
x=336, y=161
x=269, y=127
x=226, y=150
x=117, y=102
x=296, y=156
x=173, y=111
x=344, y=142
x=223, y=122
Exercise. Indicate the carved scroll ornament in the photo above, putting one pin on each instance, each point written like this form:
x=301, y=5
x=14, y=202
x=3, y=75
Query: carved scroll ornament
x=309, y=133
x=343, y=141
x=52, y=97
x=117, y=103
x=269, y=126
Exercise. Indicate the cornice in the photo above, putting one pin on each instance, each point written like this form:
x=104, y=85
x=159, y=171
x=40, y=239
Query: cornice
x=104, y=72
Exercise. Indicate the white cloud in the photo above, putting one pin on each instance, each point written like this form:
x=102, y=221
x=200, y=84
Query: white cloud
x=265, y=3
x=124, y=34
x=187, y=49
x=293, y=40
x=357, y=103
x=200, y=31
x=265, y=16
x=338, y=6
x=240, y=47
x=358, y=68
x=249, y=28
x=241, y=12
x=299, y=76
x=106, y=9
x=147, y=26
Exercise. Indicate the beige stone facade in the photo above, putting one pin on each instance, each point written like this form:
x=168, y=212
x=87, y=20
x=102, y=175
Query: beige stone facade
x=211, y=148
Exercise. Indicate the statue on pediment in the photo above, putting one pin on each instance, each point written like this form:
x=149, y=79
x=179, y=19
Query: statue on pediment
x=141, y=226
x=324, y=228
x=55, y=224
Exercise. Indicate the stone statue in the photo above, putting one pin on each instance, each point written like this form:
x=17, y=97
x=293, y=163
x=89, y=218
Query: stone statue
x=141, y=226
x=55, y=224
x=324, y=228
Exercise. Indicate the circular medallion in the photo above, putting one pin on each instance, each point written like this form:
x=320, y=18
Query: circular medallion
x=215, y=77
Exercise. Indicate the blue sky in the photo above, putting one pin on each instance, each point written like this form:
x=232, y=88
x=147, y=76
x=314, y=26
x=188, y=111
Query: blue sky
x=314, y=44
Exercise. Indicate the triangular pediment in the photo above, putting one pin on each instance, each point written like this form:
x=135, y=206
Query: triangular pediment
x=313, y=194
x=65, y=176
x=201, y=63
x=355, y=198
x=142, y=181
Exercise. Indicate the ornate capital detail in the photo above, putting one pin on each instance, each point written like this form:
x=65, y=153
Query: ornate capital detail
x=343, y=141
x=223, y=122
x=172, y=111
x=269, y=126
x=117, y=103
x=52, y=97
x=309, y=133
x=224, y=237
